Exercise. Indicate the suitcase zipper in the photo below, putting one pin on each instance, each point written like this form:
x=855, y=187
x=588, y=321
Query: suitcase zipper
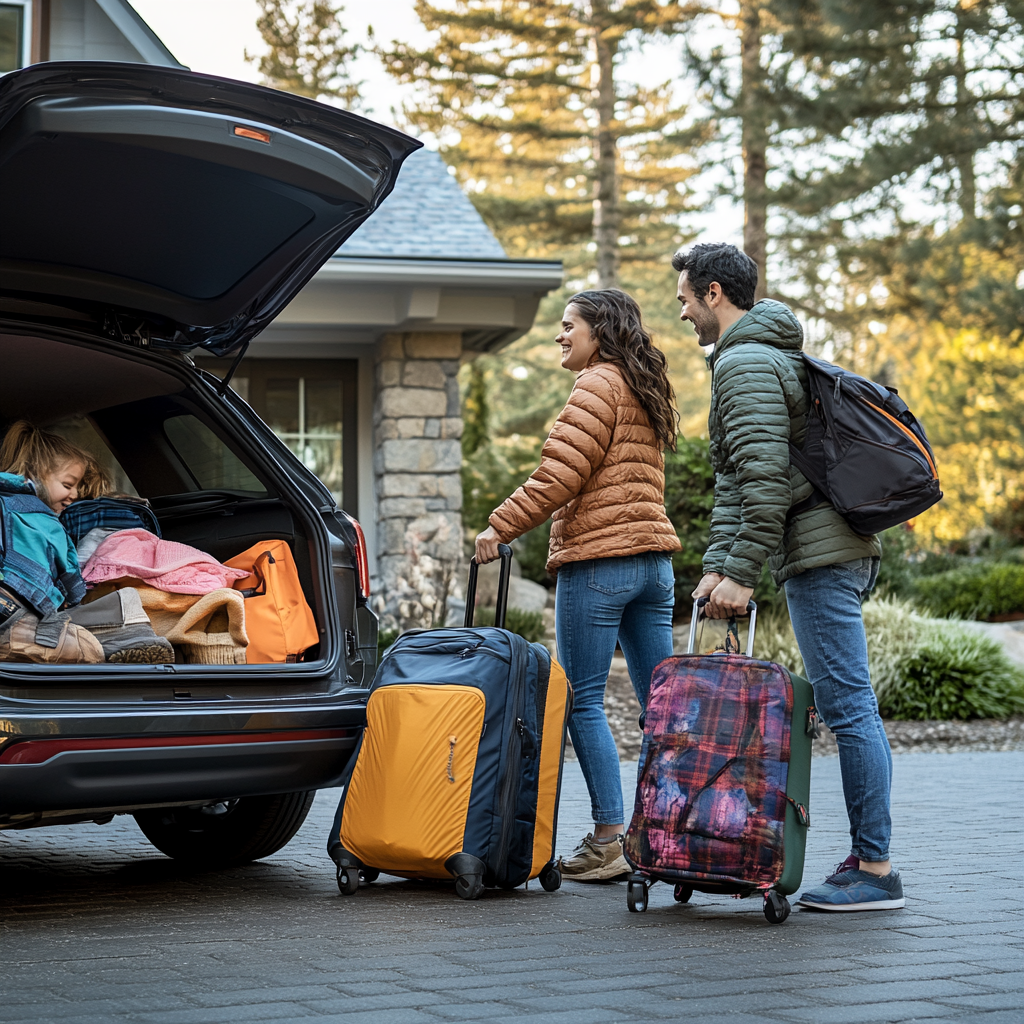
x=513, y=757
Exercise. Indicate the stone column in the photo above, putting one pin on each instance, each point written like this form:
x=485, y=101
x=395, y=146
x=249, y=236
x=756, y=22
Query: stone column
x=418, y=455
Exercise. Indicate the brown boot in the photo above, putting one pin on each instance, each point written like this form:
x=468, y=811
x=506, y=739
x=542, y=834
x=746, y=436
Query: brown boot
x=53, y=641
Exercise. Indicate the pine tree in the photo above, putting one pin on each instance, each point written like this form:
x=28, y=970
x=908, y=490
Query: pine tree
x=307, y=53
x=894, y=105
x=851, y=110
x=559, y=154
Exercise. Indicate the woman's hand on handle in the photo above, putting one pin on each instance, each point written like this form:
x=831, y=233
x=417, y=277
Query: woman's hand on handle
x=487, y=546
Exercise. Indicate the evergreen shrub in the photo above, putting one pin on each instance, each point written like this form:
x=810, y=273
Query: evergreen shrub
x=977, y=591
x=689, y=498
x=920, y=668
x=955, y=673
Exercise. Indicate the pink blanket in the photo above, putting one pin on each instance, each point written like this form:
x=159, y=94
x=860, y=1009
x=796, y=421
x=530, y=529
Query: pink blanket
x=164, y=564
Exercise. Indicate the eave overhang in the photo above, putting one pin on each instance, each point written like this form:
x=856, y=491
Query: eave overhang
x=357, y=299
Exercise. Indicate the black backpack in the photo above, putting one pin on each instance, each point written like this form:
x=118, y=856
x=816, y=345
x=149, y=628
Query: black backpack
x=864, y=451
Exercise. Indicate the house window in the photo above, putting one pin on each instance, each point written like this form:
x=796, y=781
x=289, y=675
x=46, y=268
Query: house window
x=15, y=34
x=311, y=405
x=307, y=413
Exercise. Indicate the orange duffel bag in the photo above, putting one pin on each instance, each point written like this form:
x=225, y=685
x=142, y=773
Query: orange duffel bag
x=279, y=622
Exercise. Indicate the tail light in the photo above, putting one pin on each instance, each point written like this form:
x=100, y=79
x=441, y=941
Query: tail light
x=362, y=561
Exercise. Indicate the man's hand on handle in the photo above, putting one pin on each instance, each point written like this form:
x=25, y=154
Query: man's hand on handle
x=729, y=598
x=487, y=546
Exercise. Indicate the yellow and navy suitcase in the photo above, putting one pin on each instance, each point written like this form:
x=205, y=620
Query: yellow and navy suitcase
x=458, y=771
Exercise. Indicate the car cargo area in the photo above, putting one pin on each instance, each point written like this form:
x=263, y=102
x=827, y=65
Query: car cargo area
x=165, y=435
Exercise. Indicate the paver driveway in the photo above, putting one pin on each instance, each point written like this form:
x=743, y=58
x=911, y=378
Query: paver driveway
x=97, y=926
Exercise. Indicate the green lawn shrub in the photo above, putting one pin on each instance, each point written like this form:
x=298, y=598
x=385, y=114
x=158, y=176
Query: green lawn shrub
x=955, y=673
x=920, y=668
x=894, y=629
x=977, y=591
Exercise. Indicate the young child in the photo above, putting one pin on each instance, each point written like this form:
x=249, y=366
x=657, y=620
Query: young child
x=41, y=473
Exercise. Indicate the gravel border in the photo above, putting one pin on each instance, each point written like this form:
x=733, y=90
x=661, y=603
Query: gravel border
x=986, y=734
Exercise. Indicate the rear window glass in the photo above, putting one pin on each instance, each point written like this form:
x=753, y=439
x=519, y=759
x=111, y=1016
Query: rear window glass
x=213, y=465
x=79, y=430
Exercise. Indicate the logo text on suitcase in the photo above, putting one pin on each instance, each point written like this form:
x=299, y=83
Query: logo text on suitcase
x=451, y=758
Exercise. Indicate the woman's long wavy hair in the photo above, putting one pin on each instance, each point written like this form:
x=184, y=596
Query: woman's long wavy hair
x=614, y=317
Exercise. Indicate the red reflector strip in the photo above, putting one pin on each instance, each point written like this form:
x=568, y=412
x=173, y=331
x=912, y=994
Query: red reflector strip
x=251, y=133
x=38, y=751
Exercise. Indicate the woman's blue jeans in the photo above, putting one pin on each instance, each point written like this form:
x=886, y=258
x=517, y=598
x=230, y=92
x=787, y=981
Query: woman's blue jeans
x=597, y=603
x=825, y=608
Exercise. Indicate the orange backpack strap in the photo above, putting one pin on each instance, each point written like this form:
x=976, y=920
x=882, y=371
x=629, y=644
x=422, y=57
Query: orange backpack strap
x=258, y=568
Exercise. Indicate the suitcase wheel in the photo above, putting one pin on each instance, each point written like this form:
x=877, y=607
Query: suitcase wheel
x=469, y=887
x=550, y=878
x=681, y=893
x=468, y=872
x=776, y=907
x=369, y=874
x=348, y=880
x=636, y=894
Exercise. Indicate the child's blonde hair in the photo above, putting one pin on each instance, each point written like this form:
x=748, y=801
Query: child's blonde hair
x=34, y=453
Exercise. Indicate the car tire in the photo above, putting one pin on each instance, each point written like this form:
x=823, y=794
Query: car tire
x=227, y=833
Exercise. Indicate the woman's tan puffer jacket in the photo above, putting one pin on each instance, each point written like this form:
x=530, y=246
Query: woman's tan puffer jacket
x=601, y=478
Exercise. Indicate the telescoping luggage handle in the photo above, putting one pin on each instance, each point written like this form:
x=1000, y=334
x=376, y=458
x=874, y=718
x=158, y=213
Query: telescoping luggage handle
x=501, y=604
x=698, y=614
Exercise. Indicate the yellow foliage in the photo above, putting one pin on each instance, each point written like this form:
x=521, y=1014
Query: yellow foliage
x=967, y=388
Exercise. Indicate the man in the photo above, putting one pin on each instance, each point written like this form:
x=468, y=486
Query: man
x=759, y=401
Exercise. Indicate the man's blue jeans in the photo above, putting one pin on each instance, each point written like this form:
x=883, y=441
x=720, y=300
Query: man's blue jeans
x=597, y=603
x=825, y=608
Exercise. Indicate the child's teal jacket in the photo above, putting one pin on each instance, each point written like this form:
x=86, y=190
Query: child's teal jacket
x=38, y=561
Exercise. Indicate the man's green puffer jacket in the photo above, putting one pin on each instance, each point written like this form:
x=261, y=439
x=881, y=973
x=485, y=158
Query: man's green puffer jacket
x=758, y=404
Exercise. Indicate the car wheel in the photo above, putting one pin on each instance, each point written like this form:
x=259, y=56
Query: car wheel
x=231, y=832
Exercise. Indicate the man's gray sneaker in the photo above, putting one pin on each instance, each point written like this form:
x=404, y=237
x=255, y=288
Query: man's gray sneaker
x=594, y=861
x=856, y=890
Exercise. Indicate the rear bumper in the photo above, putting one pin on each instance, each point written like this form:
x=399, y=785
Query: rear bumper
x=131, y=777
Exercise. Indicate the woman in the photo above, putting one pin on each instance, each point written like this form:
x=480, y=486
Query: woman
x=602, y=480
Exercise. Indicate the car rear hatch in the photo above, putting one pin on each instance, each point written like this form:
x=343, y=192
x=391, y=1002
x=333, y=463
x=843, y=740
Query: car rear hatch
x=176, y=209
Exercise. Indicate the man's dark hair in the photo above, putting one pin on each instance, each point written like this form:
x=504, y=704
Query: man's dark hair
x=732, y=268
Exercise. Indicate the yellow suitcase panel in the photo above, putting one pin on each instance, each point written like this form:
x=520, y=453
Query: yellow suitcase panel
x=408, y=798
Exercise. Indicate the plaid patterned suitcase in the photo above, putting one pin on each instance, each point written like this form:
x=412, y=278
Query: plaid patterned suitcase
x=724, y=777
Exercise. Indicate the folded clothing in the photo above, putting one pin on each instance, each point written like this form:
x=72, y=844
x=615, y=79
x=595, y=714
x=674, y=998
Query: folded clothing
x=87, y=546
x=212, y=630
x=164, y=564
x=122, y=627
x=113, y=514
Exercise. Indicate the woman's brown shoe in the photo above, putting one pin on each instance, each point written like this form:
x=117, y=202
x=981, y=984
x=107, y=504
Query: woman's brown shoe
x=594, y=861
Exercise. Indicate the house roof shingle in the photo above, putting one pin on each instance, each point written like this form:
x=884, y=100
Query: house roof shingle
x=426, y=215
